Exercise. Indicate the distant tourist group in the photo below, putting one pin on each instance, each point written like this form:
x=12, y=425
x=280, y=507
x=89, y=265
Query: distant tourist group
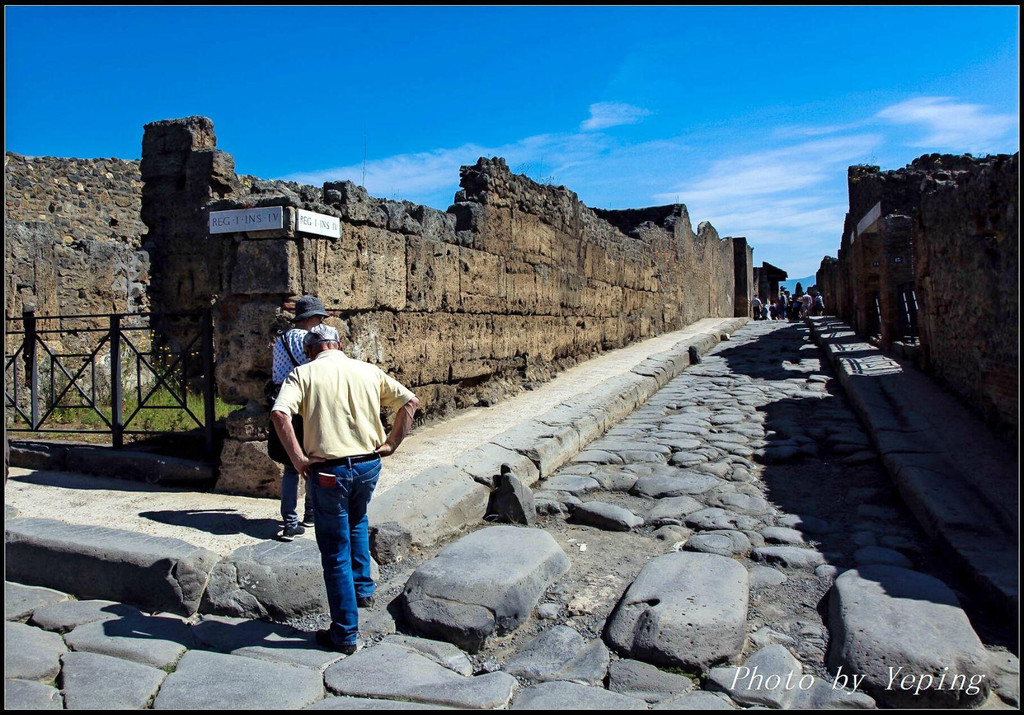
x=790, y=307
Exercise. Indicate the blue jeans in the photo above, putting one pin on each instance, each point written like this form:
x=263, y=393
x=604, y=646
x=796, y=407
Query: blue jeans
x=290, y=497
x=340, y=497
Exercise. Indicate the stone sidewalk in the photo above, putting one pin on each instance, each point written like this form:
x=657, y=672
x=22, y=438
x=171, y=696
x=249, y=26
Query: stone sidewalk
x=959, y=481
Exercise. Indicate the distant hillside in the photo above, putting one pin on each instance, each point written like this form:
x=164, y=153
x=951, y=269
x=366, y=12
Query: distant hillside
x=806, y=283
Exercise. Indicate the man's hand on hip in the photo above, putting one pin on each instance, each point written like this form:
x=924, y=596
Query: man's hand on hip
x=304, y=463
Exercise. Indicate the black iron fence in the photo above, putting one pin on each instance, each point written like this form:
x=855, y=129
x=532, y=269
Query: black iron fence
x=110, y=373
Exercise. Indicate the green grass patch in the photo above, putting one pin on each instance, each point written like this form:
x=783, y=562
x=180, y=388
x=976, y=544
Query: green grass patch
x=154, y=416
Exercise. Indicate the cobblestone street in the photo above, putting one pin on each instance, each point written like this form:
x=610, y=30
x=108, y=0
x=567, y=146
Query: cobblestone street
x=705, y=534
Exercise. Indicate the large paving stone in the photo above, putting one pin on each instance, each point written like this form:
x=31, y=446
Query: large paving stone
x=606, y=516
x=791, y=557
x=715, y=518
x=571, y=696
x=700, y=700
x=68, y=615
x=153, y=572
x=100, y=682
x=783, y=536
x=659, y=486
x=415, y=677
x=870, y=555
x=31, y=695
x=31, y=653
x=347, y=703
x=741, y=503
x=570, y=484
x=440, y=652
x=683, y=609
x=487, y=582
x=561, y=653
x=151, y=640
x=673, y=510
x=270, y=579
x=21, y=601
x=771, y=677
x=258, y=639
x=214, y=681
x=723, y=543
x=889, y=623
x=642, y=680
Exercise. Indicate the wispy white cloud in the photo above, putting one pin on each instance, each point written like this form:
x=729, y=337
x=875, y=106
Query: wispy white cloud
x=773, y=172
x=612, y=114
x=949, y=124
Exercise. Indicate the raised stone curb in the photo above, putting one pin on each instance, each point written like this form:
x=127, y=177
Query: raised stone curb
x=108, y=462
x=153, y=572
x=436, y=503
x=271, y=579
x=908, y=420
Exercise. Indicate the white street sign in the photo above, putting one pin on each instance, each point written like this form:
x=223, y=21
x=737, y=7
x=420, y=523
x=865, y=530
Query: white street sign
x=320, y=224
x=266, y=219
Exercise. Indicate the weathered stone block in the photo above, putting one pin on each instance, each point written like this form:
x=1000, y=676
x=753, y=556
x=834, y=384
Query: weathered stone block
x=485, y=583
x=247, y=469
x=154, y=572
x=265, y=266
x=684, y=609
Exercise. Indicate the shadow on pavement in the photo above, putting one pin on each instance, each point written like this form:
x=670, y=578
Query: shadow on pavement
x=221, y=522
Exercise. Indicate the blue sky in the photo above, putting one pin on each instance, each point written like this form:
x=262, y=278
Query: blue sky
x=748, y=115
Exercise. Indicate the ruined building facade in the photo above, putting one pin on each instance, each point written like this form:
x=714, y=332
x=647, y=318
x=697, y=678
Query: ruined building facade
x=513, y=282
x=929, y=256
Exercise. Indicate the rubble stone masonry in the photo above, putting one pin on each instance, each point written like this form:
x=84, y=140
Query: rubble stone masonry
x=946, y=228
x=73, y=236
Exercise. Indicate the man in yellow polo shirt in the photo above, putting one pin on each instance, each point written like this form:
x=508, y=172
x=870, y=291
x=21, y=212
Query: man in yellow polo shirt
x=340, y=401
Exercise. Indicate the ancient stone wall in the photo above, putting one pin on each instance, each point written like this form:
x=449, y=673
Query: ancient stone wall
x=73, y=236
x=941, y=236
x=966, y=241
x=515, y=281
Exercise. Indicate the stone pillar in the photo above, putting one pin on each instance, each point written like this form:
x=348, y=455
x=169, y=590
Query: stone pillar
x=743, y=270
x=182, y=171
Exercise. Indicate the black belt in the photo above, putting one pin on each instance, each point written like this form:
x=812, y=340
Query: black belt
x=343, y=461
